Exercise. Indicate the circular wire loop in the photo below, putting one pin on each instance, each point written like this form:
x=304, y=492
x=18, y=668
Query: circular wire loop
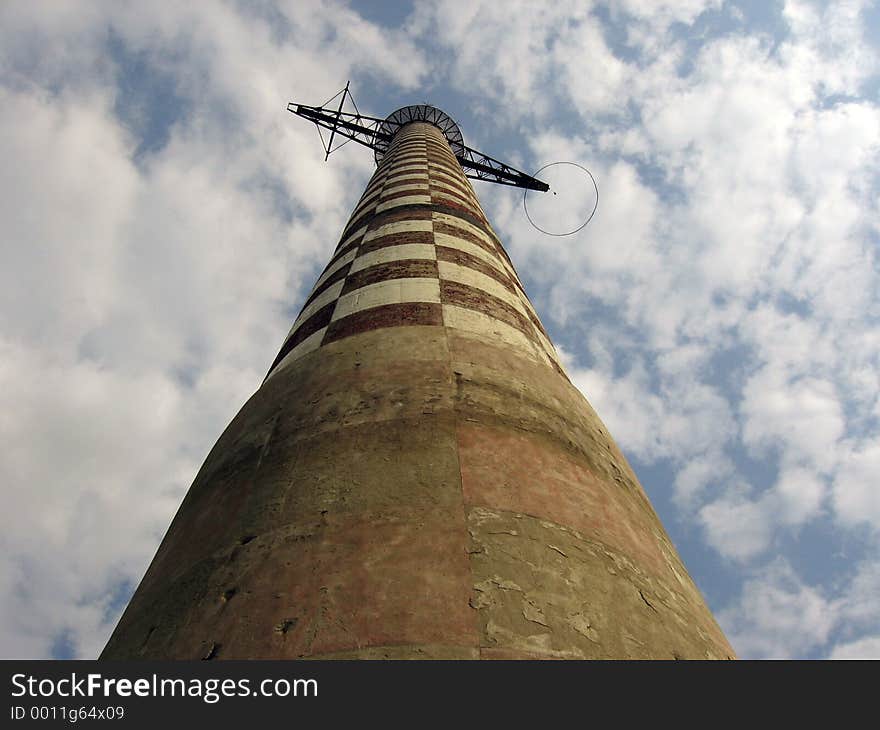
x=589, y=217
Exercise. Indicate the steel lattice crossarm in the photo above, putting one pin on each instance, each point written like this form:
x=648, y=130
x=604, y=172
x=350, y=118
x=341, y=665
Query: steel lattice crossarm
x=377, y=134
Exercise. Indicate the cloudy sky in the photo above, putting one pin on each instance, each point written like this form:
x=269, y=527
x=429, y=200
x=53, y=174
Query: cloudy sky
x=162, y=218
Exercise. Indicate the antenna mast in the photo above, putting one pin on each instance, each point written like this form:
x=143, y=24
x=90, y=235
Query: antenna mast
x=377, y=133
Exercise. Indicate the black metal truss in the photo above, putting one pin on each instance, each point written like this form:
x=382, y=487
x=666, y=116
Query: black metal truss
x=377, y=134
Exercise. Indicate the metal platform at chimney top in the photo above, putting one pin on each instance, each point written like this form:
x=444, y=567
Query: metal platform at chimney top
x=377, y=134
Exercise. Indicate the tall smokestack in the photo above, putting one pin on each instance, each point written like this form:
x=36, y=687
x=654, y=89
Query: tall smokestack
x=417, y=477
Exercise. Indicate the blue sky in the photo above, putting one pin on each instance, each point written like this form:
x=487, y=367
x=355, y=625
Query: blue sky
x=163, y=217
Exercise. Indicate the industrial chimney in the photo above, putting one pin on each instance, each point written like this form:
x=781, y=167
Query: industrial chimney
x=417, y=477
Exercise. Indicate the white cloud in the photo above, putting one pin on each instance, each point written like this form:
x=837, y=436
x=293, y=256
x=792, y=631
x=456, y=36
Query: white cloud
x=665, y=12
x=701, y=474
x=867, y=648
x=741, y=526
x=594, y=80
x=499, y=50
x=856, y=490
x=651, y=21
x=799, y=494
x=737, y=527
x=859, y=604
x=95, y=465
x=778, y=616
x=67, y=184
x=829, y=43
x=803, y=418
